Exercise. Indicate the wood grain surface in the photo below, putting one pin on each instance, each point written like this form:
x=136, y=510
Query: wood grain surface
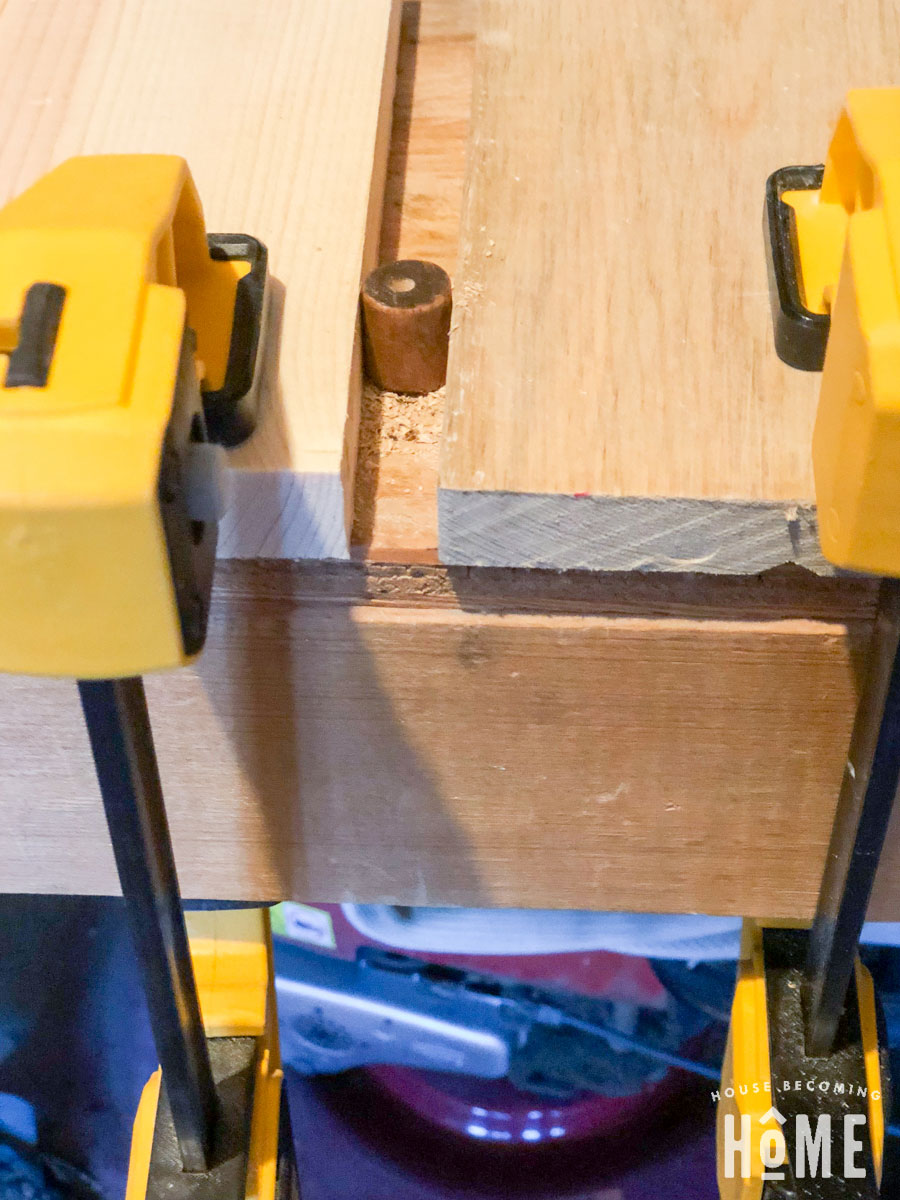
x=429, y=134
x=428, y=737
x=395, y=498
x=614, y=399
x=282, y=109
x=422, y=735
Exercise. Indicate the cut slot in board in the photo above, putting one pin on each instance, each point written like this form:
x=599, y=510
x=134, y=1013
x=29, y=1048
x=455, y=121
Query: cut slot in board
x=282, y=109
x=614, y=399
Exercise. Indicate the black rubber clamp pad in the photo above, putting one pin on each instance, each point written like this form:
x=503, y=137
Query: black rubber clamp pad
x=800, y=335
x=231, y=411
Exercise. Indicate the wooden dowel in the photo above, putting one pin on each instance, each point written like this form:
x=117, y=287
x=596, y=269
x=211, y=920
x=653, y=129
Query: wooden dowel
x=406, y=320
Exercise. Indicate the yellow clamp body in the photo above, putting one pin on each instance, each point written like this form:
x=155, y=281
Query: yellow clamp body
x=746, y=1090
x=86, y=581
x=747, y=1101
x=231, y=951
x=848, y=245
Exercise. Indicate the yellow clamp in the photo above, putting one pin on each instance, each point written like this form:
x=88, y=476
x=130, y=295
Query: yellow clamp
x=842, y=242
x=113, y=315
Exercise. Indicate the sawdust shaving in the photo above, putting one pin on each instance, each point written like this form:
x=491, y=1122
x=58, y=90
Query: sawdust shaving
x=395, y=426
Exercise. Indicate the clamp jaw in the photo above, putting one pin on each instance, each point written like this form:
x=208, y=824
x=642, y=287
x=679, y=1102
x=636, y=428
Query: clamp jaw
x=834, y=259
x=252, y=1153
x=132, y=340
x=779, y=1102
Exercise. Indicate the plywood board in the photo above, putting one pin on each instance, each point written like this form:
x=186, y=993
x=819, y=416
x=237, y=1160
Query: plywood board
x=614, y=399
x=424, y=737
x=282, y=109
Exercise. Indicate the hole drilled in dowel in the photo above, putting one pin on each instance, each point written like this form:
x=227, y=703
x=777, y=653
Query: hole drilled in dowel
x=401, y=283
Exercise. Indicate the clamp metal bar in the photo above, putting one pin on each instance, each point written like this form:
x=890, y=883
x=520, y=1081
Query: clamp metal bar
x=863, y=812
x=122, y=743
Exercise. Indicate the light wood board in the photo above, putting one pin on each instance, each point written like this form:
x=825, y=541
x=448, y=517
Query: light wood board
x=614, y=399
x=282, y=109
x=424, y=737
